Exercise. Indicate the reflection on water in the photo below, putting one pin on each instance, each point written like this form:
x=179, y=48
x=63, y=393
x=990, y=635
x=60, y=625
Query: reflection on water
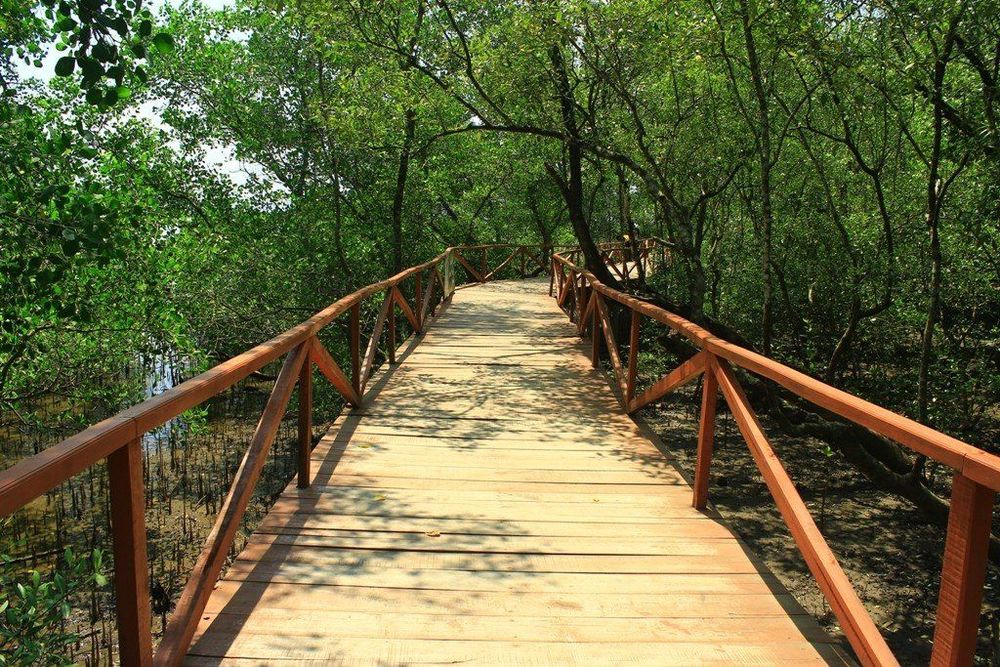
x=189, y=465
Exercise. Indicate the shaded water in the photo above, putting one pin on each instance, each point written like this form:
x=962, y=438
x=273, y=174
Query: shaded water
x=189, y=465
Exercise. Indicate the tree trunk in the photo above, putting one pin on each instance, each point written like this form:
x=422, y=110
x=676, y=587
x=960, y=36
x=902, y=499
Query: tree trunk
x=397, y=200
x=764, y=154
x=573, y=188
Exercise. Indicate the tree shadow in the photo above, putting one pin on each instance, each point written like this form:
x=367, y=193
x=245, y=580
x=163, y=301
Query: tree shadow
x=500, y=499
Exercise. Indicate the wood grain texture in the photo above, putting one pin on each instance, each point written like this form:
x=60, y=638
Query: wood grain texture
x=963, y=573
x=35, y=475
x=183, y=622
x=494, y=504
x=975, y=463
x=862, y=632
x=128, y=530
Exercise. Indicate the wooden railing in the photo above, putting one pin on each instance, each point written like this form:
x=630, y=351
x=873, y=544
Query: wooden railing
x=475, y=259
x=634, y=260
x=976, y=478
x=119, y=440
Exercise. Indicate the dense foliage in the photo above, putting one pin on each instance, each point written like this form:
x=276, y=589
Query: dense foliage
x=34, y=611
x=192, y=181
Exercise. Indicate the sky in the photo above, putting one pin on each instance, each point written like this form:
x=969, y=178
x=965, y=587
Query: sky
x=217, y=157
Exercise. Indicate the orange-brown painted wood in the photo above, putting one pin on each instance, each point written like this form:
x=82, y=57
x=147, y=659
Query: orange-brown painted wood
x=678, y=377
x=861, y=632
x=332, y=372
x=975, y=463
x=405, y=307
x=595, y=331
x=963, y=573
x=128, y=534
x=33, y=476
x=354, y=340
x=426, y=302
x=706, y=437
x=184, y=620
x=392, y=328
x=612, y=346
x=369, y=360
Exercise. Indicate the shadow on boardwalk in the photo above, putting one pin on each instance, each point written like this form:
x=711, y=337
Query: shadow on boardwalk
x=492, y=503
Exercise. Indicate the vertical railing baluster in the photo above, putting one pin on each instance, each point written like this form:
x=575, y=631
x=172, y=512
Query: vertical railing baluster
x=305, y=423
x=963, y=573
x=486, y=265
x=633, y=357
x=706, y=435
x=128, y=530
x=355, y=335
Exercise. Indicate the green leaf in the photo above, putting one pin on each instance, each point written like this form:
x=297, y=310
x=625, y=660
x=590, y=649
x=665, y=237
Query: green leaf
x=124, y=92
x=145, y=28
x=164, y=42
x=100, y=579
x=65, y=66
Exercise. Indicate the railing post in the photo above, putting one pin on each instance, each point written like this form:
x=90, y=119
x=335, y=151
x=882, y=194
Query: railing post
x=706, y=434
x=579, y=303
x=552, y=277
x=524, y=254
x=633, y=353
x=574, y=311
x=449, y=276
x=595, y=334
x=128, y=529
x=417, y=297
x=963, y=573
x=355, y=336
x=305, y=422
x=486, y=265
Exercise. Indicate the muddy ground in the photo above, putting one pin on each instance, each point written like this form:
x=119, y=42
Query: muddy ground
x=891, y=555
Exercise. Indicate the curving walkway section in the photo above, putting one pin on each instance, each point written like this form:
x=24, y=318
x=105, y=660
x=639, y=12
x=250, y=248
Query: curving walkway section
x=493, y=504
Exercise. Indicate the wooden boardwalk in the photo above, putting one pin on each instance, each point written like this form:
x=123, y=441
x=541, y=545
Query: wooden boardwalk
x=493, y=504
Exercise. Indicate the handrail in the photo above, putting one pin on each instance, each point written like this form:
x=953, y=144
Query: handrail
x=483, y=274
x=119, y=439
x=976, y=480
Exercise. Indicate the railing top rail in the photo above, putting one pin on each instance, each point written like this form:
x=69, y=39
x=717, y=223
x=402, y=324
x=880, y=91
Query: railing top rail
x=37, y=474
x=975, y=463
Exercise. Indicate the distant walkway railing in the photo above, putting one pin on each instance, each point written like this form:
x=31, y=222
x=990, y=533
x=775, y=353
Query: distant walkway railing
x=976, y=479
x=480, y=271
x=646, y=256
x=119, y=438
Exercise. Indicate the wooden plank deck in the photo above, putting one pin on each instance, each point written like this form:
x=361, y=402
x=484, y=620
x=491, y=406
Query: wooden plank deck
x=493, y=504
